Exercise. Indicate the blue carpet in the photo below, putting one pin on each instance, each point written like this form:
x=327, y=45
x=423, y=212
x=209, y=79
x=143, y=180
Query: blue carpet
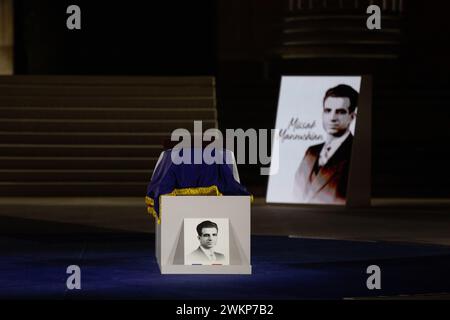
x=123, y=265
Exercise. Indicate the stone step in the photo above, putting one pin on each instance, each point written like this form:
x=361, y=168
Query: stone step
x=55, y=150
x=79, y=189
x=51, y=125
x=108, y=113
x=305, y=22
x=106, y=80
x=35, y=90
x=107, y=102
x=72, y=163
x=341, y=50
x=66, y=175
x=70, y=138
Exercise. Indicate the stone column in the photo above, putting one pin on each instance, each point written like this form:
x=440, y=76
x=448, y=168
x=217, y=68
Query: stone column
x=6, y=37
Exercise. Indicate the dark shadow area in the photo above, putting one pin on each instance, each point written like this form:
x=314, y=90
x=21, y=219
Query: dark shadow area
x=133, y=38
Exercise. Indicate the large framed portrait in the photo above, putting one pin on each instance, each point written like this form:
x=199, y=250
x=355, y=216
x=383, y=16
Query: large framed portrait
x=316, y=120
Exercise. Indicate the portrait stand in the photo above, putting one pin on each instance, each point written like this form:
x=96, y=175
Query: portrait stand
x=170, y=233
x=359, y=179
x=323, y=157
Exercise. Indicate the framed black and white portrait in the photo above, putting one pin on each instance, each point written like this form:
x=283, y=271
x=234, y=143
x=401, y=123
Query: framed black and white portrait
x=316, y=120
x=206, y=241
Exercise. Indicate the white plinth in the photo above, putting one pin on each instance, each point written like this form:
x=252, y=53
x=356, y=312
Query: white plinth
x=170, y=234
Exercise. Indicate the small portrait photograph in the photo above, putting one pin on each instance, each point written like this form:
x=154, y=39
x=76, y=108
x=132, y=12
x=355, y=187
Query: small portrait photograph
x=206, y=242
x=316, y=119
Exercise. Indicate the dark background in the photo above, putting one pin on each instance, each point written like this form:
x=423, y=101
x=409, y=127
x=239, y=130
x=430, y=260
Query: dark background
x=238, y=41
x=132, y=37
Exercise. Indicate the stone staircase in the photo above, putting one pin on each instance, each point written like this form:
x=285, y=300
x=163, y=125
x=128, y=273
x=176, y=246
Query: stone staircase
x=91, y=135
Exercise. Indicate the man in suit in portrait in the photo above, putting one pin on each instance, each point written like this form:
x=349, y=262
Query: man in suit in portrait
x=323, y=173
x=207, y=235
